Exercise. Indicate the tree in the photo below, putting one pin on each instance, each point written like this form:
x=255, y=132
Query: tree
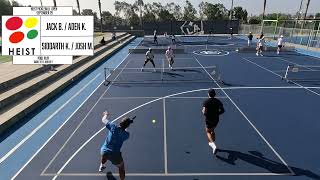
x=175, y=10
x=215, y=11
x=190, y=12
x=240, y=14
x=149, y=17
x=6, y=8
x=107, y=17
x=317, y=16
x=74, y=12
x=140, y=3
x=254, y=20
x=165, y=15
x=129, y=12
x=89, y=12
x=15, y=4
x=177, y=13
x=202, y=6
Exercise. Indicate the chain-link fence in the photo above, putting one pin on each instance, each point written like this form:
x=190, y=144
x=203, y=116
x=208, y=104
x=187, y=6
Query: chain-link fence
x=301, y=32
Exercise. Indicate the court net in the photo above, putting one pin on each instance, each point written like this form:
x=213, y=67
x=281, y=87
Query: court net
x=302, y=73
x=208, y=74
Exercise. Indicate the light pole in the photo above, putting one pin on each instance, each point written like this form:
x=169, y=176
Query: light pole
x=41, y=3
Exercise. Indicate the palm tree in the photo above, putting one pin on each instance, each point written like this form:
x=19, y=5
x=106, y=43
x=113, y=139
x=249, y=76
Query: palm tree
x=264, y=8
x=307, y=7
x=99, y=3
x=263, y=14
x=78, y=4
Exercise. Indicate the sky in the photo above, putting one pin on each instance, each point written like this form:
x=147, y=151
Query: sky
x=253, y=7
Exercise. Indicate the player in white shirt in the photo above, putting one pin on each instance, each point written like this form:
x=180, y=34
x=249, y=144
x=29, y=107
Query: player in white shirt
x=260, y=45
x=280, y=43
x=169, y=56
x=149, y=57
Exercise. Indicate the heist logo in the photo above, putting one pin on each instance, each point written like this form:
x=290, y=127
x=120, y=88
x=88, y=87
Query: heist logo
x=22, y=32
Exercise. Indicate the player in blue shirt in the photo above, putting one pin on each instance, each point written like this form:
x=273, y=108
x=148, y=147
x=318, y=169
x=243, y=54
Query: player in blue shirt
x=110, y=149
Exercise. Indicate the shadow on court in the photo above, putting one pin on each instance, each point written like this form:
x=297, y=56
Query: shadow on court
x=110, y=176
x=256, y=158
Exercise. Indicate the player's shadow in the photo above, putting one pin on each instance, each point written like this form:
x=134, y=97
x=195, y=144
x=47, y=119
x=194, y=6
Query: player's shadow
x=256, y=158
x=110, y=176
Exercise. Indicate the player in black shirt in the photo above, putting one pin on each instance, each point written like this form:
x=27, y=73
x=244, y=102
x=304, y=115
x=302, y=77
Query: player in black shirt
x=250, y=37
x=212, y=109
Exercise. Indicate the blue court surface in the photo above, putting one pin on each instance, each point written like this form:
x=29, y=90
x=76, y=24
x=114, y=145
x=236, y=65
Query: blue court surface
x=270, y=129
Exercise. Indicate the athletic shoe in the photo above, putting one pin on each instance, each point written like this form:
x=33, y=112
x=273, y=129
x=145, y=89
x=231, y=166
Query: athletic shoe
x=214, y=147
x=101, y=168
x=261, y=54
x=154, y=70
x=278, y=52
x=141, y=69
x=257, y=54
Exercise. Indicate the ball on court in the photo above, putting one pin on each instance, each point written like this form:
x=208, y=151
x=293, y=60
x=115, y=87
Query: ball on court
x=153, y=121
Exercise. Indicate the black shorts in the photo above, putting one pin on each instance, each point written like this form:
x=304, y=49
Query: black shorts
x=211, y=123
x=261, y=48
x=171, y=60
x=148, y=59
x=280, y=46
x=114, y=157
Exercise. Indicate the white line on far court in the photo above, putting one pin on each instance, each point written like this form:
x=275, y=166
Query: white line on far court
x=171, y=174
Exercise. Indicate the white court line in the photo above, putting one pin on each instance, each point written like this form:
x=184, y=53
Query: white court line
x=61, y=124
x=171, y=174
x=306, y=88
x=165, y=149
x=254, y=127
x=66, y=142
x=45, y=121
x=175, y=68
x=156, y=97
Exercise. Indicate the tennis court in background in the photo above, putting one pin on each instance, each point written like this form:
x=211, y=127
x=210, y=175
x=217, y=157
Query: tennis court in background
x=270, y=128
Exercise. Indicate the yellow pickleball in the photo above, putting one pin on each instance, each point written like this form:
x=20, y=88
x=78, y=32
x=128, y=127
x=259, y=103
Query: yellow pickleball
x=153, y=121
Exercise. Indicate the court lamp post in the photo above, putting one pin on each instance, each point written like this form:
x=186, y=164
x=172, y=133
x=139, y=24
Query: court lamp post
x=54, y=3
x=41, y=3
